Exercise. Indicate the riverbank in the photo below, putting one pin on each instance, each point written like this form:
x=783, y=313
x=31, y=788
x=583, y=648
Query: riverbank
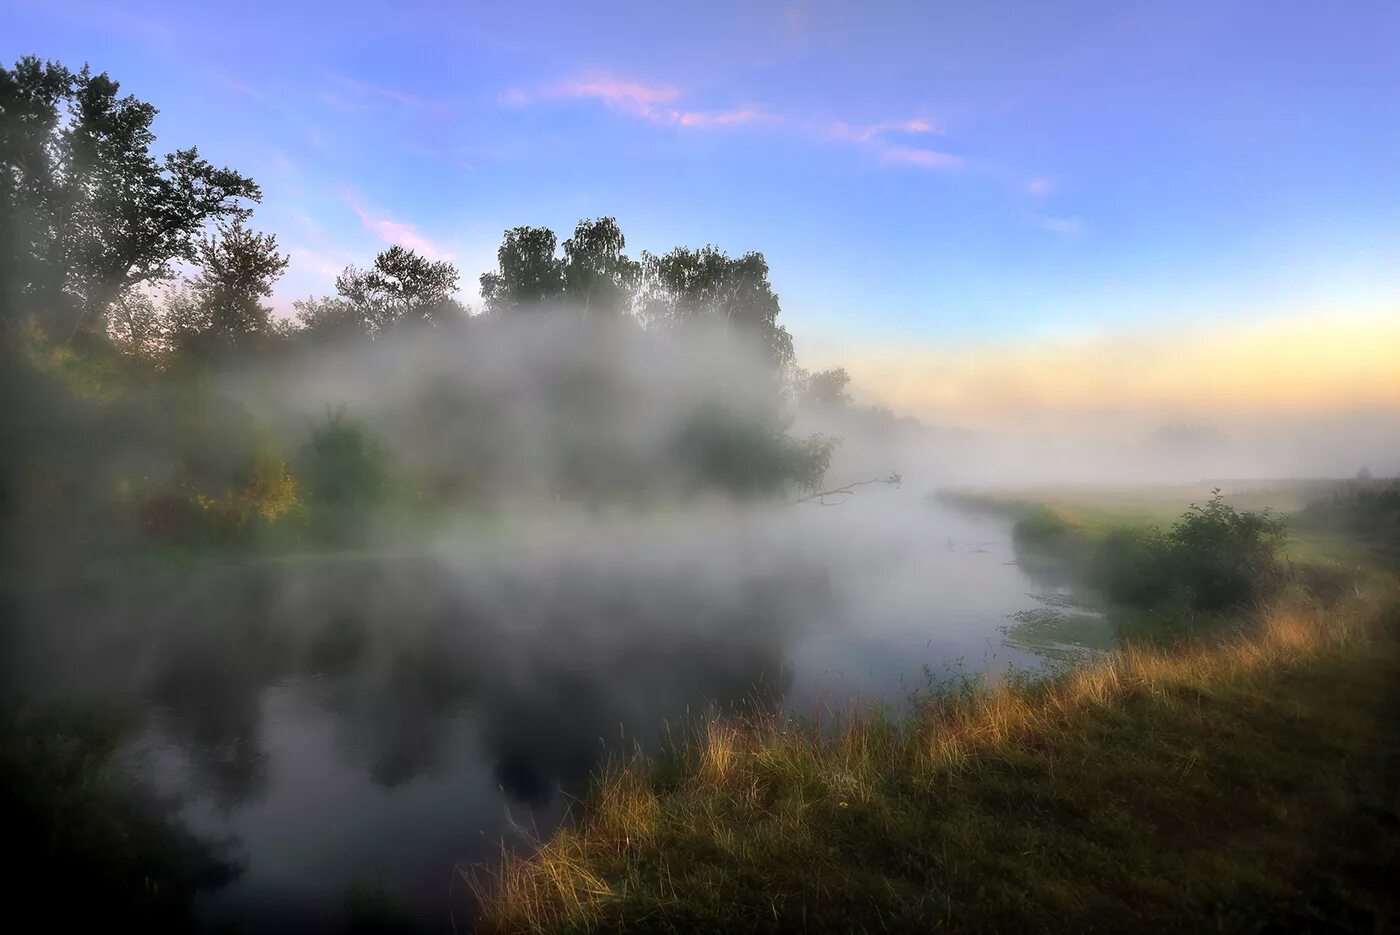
x=1240, y=779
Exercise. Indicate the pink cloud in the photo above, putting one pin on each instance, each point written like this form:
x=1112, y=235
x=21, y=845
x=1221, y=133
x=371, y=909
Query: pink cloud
x=864, y=133
x=722, y=118
x=639, y=100
x=923, y=158
x=654, y=103
x=631, y=96
x=1040, y=187
x=399, y=232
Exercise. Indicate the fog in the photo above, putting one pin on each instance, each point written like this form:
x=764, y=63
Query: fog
x=584, y=536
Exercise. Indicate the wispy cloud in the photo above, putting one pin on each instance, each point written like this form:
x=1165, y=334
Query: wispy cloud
x=864, y=133
x=651, y=102
x=350, y=94
x=632, y=96
x=393, y=231
x=916, y=156
x=660, y=104
x=1040, y=186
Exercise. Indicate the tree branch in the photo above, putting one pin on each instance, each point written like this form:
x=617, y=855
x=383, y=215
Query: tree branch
x=820, y=497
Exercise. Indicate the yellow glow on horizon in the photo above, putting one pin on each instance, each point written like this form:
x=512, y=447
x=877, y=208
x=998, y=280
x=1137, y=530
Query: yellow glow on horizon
x=1314, y=364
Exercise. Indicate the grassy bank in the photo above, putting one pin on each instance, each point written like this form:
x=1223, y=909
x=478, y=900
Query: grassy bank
x=1099, y=510
x=1241, y=780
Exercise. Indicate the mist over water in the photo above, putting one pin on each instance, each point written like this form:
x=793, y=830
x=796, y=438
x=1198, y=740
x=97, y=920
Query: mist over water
x=376, y=720
x=564, y=582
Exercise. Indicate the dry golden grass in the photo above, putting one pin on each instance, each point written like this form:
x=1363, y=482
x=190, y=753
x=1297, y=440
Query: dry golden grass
x=744, y=797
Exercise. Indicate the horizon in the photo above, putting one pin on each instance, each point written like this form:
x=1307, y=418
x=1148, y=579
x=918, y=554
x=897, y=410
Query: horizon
x=945, y=198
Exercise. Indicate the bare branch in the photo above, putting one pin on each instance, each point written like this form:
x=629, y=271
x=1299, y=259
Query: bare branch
x=820, y=497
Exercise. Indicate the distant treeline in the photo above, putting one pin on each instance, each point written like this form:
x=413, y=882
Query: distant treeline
x=130, y=281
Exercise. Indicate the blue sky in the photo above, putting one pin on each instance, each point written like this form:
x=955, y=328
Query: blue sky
x=918, y=174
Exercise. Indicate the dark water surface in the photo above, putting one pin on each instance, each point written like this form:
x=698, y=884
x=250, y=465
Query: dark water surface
x=354, y=728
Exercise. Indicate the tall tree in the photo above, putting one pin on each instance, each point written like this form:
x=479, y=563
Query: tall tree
x=238, y=268
x=598, y=276
x=528, y=274
x=686, y=286
x=88, y=211
x=400, y=287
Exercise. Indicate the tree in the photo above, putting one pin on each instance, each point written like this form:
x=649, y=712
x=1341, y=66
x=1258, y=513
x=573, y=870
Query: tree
x=88, y=212
x=827, y=389
x=134, y=324
x=687, y=286
x=401, y=287
x=598, y=276
x=238, y=268
x=528, y=274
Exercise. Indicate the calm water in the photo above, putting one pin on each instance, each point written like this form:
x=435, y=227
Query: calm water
x=356, y=728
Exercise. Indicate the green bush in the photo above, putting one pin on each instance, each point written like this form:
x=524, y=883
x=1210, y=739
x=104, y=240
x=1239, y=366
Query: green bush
x=1224, y=557
x=1214, y=558
x=750, y=455
x=346, y=475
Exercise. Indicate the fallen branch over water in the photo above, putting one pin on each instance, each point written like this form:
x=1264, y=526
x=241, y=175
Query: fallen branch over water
x=893, y=480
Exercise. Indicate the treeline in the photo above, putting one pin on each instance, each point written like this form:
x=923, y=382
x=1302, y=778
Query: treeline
x=130, y=281
x=94, y=219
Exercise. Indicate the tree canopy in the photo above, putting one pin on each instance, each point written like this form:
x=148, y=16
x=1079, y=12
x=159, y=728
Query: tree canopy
x=400, y=287
x=89, y=211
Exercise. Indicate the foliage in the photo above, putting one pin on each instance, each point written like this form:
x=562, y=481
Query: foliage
x=687, y=286
x=94, y=222
x=1366, y=507
x=401, y=287
x=224, y=307
x=598, y=276
x=827, y=389
x=1225, y=557
x=528, y=273
x=750, y=455
x=67, y=818
x=346, y=476
x=89, y=212
x=185, y=515
x=1214, y=558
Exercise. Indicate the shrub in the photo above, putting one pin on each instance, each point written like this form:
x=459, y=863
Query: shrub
x=346, y=476
x=1226, y=558
x=1214, y=558
x=750, y=455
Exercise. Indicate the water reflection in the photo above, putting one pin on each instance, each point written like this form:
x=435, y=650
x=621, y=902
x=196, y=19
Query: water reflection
x=374, y=721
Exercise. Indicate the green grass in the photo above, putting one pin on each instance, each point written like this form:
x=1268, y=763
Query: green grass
x=1243, y=776
x=1100, y=509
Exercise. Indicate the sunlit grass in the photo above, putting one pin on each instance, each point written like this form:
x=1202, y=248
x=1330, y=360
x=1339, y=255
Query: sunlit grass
x=1220, y=782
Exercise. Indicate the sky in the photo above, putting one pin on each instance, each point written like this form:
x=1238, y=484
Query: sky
x=974, y=207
